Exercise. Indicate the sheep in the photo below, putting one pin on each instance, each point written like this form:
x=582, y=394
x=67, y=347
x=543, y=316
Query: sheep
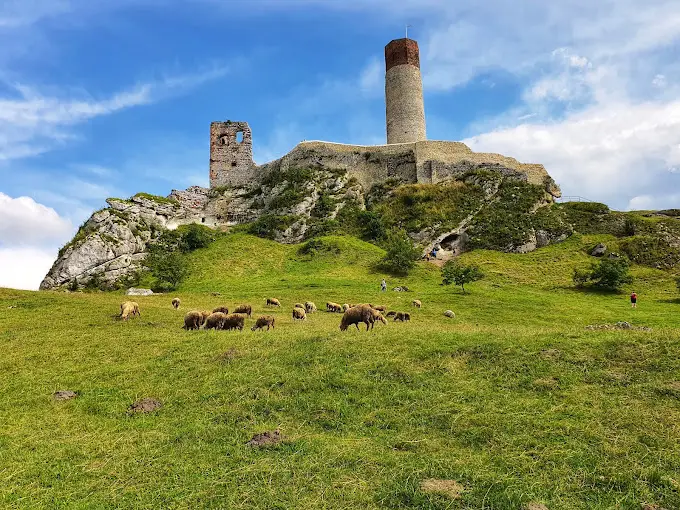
x=193, y=320
x=222, y=309
x=402, y=316
x=310, y=307
x=333, y=307
x=449, y=314
x=204, y=316
x=234, y=321
x=245, y=309
x=175, y=303
x=416, y=303
x=345, y=307
x=128, y=309
x=299, y=314
x=215, y=320
x=360, y=313
x=299, y=305
x=273, y=302
x=264, y=320
x=377, y=316
x=380, y=308
x=391, y=314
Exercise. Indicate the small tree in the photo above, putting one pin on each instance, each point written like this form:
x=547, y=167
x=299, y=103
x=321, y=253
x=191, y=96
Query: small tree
x=609, y=274
x=401, y=255
x=169, y=268
x=459, y=274
x=195, y=236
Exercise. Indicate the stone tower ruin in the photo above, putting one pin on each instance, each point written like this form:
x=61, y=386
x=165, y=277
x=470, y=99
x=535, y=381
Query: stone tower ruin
x=405, y=110
x=231, y=154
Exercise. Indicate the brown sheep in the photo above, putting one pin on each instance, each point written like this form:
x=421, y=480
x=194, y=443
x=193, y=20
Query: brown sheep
x=402, y=316
x=345, y=307
x=193, y=320
x=175, y=303
x=376, y=316
x=204, y=316
x=273, y=302
x=333, y=307
x=215, y=320
x=417, y=303
x=299, y=314
x=391, y=314
x=129, y=309
x=356, y=315
x=380, y=308
x=234, y=321
x=310, y=307
x=299, y=305
x=264, y=320
x=222, y=309
x=245, y=309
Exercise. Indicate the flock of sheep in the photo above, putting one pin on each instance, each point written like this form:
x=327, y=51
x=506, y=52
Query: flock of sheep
x=221, y=319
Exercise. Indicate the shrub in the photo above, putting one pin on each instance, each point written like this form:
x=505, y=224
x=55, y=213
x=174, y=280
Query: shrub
x=459, y=274
x=195, y=236
x=324, y=206
x=268, y=225
x=401, y=255
x=373, y=227
x=321, y=228
x=677, y=283
x=608, y=274
x=168, y=268
x=318, y=247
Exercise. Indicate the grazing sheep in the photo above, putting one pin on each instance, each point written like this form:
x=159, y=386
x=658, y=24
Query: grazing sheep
x=416, y=303
x=391, y=314
x=449, y=314
x=215, y=320
x=175, y=303
x=299, y=314
x=204, y=316
x=333, y=307
x=234, y=321
x=310, y=307
x=299, y=305
x=376, y=316
x=245, y=309
x=402, y=316
x=345, y=307
x=264, y=320
x=222, y=309
x=380, y=308
x=193, y=320
x=273, y=302
x=129, y=309
x=360, y=313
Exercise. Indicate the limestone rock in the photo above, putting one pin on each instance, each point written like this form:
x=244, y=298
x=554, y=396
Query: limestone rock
x=138, y=292
x=599, y=250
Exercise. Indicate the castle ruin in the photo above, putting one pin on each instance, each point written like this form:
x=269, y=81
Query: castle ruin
x=231, y=154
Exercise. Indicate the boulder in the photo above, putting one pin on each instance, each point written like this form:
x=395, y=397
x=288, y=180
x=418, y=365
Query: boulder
x=138, y=292
x=449, y=314
x=599, y=251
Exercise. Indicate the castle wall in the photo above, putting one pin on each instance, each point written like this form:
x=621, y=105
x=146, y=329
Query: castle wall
x=231, y=160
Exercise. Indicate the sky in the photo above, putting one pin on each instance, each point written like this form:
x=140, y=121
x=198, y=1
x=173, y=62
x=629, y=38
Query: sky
x=107, y=98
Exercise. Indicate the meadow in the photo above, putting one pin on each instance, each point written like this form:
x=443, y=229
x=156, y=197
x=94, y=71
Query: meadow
x=514, y=399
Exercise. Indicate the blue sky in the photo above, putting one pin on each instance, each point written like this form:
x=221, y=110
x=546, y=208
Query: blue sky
x=108, y=98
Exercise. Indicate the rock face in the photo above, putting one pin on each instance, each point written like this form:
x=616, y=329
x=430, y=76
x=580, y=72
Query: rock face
x=290, y=199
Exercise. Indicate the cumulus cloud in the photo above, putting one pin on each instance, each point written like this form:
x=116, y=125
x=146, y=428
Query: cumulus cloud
x=24, y=222
x=24, y=268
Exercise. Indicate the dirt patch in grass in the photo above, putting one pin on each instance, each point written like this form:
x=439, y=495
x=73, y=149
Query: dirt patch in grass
x=449, y=488
x=546, y=383
x=551, y=354
x=145, y=405
x=269, y=438
x=64, y=395
x=229, y=355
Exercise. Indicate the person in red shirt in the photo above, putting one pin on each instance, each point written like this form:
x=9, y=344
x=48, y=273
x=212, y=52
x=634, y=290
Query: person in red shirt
x=633, y=300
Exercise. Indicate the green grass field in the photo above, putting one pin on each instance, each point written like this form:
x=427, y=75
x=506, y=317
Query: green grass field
x=514, y=398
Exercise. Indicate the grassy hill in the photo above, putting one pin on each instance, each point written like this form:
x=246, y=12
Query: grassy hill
x=514, y=399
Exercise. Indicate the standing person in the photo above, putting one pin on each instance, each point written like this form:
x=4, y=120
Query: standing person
x=383, y=285
x=633, y=300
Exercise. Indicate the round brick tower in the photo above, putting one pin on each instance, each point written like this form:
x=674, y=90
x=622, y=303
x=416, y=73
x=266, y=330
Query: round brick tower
x=404, y=107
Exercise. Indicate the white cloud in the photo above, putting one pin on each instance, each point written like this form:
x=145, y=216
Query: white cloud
x=659, y=81
x=647, y=202
x=24, y=222
x=24, y=268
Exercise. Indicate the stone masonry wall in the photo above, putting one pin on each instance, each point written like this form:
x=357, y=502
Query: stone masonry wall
x=231, y=160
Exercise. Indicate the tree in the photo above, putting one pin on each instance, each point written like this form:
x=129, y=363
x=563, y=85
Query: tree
x=195, y=236
x=459, y=274
x=401, y=255
x=608, y=274
x=372, y=226
x=169, y=268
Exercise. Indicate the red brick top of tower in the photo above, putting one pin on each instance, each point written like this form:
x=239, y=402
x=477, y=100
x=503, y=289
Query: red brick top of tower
x=402, y=51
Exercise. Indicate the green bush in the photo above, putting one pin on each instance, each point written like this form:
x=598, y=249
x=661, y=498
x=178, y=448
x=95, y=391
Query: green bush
x=324, y=206
x=372, y=226
x=321, y=228
x=458, y=274
x=607, y=274
x=316, y=247
x=677, y=283
x=268, y=225
x=650, y=251
x=195, y=236
x=401, y=255
x=168, y=268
